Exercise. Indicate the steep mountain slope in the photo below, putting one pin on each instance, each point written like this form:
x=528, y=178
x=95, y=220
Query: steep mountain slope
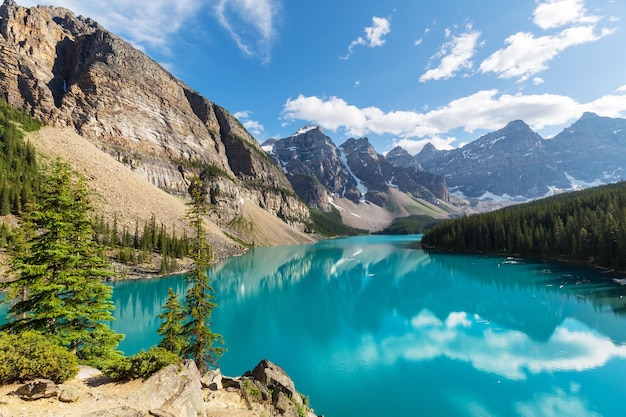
x=591, y=150
x=73, y=73
x=378, y=175
x=511, y=161
x=117, y=190
x=314, y=166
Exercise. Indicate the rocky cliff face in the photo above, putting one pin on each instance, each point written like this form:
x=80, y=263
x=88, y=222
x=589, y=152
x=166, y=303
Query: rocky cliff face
x=70, y=71
x=591, y=150
x=511, y=161
x=314, y=166
x=317, y=169
x=378, y=173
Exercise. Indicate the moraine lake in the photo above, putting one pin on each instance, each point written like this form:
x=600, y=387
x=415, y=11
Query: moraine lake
x=369, y=326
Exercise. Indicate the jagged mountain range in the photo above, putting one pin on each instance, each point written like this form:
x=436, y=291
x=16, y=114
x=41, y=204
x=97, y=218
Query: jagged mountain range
x=511, y=164
x=517, y=163
x=73, y=73
x=324, y=174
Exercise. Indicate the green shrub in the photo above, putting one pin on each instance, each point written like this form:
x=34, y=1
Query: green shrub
x=30, y=355
x=142, y=365
x=251, y=391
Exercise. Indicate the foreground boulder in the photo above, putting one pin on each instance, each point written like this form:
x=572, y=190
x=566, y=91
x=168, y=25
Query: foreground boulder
x=174, y=389
x=38, y=389
x=274, y=384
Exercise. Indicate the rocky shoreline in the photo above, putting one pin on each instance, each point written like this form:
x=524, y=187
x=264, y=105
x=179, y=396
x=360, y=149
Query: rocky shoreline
x=175, y=391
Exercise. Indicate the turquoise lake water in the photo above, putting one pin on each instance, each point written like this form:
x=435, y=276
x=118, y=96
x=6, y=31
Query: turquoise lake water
x=369, y=326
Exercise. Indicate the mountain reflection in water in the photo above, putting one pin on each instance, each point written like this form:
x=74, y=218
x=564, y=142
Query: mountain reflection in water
x=429, y=334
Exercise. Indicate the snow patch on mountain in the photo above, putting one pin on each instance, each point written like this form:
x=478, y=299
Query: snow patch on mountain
x=359, y=184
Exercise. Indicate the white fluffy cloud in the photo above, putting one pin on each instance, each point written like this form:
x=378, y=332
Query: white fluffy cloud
x=556, y=13
x=250, y=24
x=526, y=54
x=374, y=35
x=456, y=54
x=483, y=110
x=252, y=126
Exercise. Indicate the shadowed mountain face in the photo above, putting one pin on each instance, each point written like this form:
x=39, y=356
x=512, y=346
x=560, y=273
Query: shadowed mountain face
x=511, y=161
x=591, y=150
x=70, y=71
x=354, y=171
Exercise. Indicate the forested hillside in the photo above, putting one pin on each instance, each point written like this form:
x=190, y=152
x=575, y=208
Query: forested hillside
x=19, y=177
x=584, y=226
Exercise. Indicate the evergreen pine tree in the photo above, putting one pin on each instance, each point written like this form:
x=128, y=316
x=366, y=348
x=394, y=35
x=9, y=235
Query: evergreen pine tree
x=59, y=271
x=171, y=328
x=200, y=301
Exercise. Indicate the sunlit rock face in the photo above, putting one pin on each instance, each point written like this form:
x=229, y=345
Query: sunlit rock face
x=70, y=71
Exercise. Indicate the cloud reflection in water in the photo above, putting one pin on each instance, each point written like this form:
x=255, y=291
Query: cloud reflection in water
x=488, y=348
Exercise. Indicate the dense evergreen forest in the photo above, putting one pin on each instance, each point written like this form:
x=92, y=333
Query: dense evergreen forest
x=19, y=176
x=20, y=182
x=585, y=226
x=410, y=225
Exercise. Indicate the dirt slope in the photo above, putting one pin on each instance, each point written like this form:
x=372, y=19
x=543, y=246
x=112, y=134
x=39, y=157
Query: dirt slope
x=119, y=190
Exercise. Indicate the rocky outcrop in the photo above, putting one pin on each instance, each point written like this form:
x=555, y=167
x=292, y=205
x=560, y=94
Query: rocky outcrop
x=177, y=390
x=70, y=71
x=38, y=389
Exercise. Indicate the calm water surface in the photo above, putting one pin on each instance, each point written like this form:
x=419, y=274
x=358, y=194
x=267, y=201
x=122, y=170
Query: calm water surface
x=368, y=326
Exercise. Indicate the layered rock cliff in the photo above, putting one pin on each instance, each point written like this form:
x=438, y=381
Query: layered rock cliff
x=72, y=72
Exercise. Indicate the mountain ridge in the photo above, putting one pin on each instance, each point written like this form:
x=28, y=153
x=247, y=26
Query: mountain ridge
x=354, y=179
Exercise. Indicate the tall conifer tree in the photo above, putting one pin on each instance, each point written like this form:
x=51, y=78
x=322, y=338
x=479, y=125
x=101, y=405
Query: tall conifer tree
x=59, y=271
x=171, y=328
x=202, y=343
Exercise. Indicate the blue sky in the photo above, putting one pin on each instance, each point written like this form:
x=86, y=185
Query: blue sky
x=401, y=72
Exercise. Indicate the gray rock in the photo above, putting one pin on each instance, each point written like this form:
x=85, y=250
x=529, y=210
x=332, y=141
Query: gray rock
x=35, y=390
x=174, y=389
x=228, y=382
x=68, y=394
x=285, y=406
x=116, y=412
x=276, y=380
x=212, y=380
